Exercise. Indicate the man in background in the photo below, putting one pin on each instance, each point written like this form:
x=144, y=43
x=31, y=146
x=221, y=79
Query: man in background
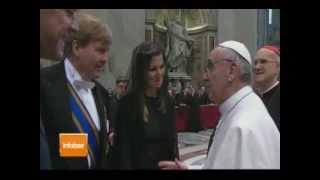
x=266, y=79
x=56, y=26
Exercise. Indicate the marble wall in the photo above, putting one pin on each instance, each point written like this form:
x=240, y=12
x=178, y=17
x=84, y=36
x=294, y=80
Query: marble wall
x=128, y=30
x=240, y=25
x=128, y=26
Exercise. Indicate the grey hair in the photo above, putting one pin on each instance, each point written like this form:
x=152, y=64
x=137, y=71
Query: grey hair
x=245, y=67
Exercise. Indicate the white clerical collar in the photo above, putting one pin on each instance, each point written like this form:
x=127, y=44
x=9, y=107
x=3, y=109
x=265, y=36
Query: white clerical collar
x=271, y=87
x=230, y=102
x=75, y=78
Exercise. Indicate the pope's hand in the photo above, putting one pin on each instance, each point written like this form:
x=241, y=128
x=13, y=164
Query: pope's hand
x=174, y=165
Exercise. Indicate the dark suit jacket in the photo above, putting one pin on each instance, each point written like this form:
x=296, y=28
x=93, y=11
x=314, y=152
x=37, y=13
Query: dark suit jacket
x=271, y=100
x=56, y=116
x=129, y=141
x=111, y=105
x=194, y=113
x=45, y=160
x=204, y=99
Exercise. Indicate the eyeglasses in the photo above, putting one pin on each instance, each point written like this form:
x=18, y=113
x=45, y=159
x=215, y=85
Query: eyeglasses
x=211, y=64
x=263, y=61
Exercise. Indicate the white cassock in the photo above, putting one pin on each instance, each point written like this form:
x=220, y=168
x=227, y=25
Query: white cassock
x=246, y=136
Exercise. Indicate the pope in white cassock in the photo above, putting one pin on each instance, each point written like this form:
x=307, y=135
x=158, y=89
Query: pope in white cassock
x=246, y=136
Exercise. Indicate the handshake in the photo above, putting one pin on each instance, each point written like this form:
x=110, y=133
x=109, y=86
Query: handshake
x=172, y=165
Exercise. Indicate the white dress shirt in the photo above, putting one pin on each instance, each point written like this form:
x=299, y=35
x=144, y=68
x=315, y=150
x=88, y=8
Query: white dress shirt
x=83, y=89
x=246, y=136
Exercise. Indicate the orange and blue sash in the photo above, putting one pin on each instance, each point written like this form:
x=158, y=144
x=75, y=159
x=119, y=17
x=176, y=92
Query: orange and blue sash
x=85, y=124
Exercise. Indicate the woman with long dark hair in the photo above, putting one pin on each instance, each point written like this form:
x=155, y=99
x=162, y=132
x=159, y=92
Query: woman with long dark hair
x=145, y=128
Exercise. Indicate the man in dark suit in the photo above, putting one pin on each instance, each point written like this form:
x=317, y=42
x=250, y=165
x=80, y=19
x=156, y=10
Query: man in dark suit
x=55, y=26
x=266, y=79
x=71, y=99
x=120, y=91
x=112, y=102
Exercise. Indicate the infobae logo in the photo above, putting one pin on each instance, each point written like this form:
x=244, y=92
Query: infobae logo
x=73, y=144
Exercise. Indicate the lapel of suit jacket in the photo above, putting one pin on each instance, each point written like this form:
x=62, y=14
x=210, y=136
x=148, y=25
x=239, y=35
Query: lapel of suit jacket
x=61, y=88
x=59, y=98
x=56, y=84
x=101, y=109
x=100, y=106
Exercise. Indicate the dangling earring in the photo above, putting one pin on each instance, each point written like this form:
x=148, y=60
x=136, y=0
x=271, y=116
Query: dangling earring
x=145, y=113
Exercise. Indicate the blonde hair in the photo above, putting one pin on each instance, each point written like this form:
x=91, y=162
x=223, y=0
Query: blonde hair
x=90, y=29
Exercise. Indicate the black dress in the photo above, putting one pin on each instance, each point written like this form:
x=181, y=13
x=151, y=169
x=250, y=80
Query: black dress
x=155, y=146
x=140, y=144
